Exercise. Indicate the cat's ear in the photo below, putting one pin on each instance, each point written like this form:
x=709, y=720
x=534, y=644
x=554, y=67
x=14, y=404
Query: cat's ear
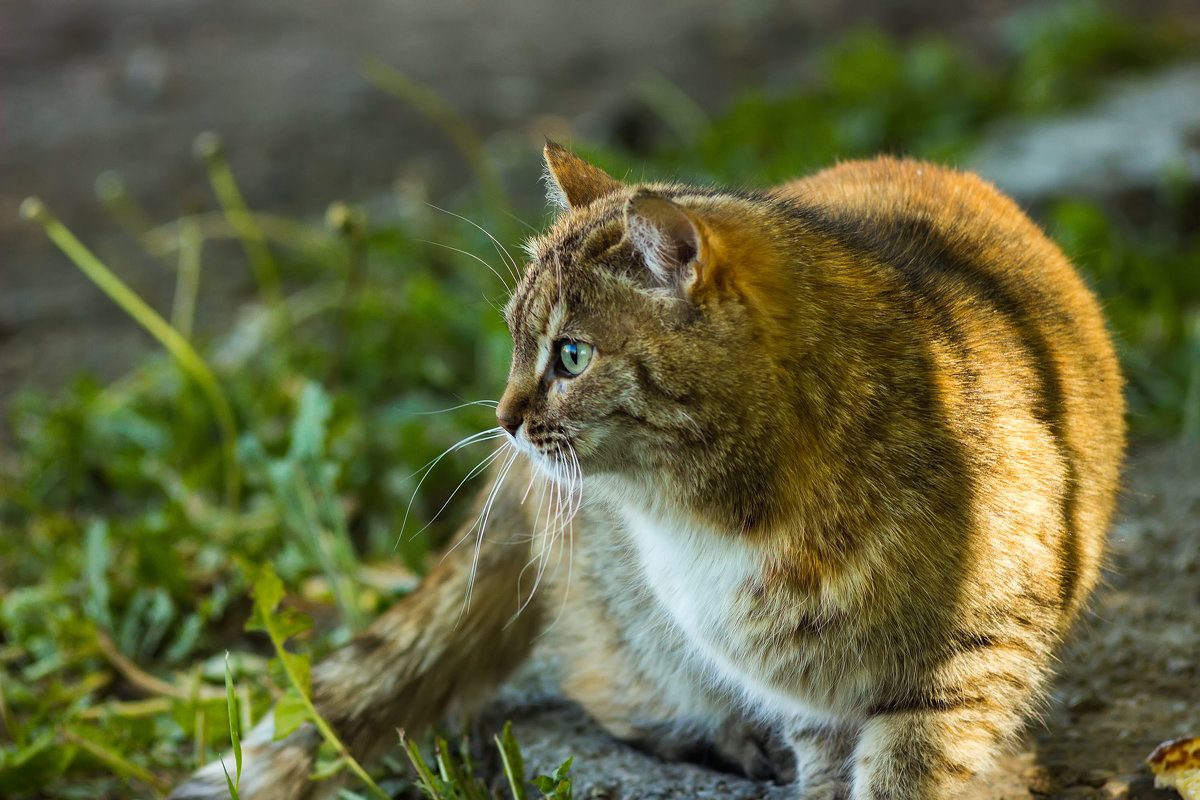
x=572, y=182
x=668, y=238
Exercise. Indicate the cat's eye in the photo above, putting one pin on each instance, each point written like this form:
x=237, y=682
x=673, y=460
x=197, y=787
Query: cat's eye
x=573, y=357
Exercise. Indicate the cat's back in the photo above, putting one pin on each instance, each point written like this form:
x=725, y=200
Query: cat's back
x=1026, y=338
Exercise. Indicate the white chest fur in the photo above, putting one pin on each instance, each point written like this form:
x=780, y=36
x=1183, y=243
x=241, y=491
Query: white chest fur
x=700, y=578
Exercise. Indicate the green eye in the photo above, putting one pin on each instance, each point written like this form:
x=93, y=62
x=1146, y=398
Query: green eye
x=573, y=357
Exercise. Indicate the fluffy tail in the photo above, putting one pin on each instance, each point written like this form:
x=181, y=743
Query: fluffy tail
x=431, y=653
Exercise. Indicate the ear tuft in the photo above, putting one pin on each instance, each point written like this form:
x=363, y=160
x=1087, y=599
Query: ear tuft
x=666, y=236
x=572, y=182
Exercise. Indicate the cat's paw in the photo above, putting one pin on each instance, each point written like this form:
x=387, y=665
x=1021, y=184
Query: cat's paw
x=757, y=750
x=821, y=755
x=736, y=745
x=822, y=787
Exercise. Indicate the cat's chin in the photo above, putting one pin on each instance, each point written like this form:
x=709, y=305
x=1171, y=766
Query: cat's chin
x=546, y=465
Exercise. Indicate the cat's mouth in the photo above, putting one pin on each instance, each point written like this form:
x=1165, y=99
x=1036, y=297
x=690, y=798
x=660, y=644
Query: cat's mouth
x=552, y=454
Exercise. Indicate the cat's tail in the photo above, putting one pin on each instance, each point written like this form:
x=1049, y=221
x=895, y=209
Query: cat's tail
x=432, y=653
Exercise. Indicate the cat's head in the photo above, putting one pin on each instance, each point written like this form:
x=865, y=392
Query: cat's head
x=642, y=328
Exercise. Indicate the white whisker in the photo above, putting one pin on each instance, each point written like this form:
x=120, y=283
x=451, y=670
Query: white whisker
x=506, y=256
x=532, y=476
x=576, y=497
x=478, y=468
x=482, y=522
x=469, y=254
x=481, y=436
x=468, y=404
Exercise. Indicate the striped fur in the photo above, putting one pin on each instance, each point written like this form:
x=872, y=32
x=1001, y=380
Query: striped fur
x=848, y=451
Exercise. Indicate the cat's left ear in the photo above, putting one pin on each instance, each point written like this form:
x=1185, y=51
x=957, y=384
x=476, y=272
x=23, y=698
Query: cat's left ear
x=572, y=182
x=668, y=238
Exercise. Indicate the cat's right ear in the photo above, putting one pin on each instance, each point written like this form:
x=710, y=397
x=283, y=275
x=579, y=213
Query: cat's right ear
x=572, y=182
x=669, y=240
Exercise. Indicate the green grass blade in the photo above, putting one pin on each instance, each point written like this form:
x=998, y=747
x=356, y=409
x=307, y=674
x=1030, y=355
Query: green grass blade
x=234, y=725
x=114, y=196
x=208, y=147
x=233, y=789
x=424, y=774
x=187, y=280
x=179, y=348
x=514, y=764
x=113, y=760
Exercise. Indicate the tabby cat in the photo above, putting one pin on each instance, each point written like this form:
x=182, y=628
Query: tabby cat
x=832, y=461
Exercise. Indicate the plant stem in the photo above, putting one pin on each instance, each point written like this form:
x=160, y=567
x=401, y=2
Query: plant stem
x=114, y=196
x=118, y=763
x=208, y=147
x=321, y=724
x=396, y=83
x=187, y=279
x=179, y=348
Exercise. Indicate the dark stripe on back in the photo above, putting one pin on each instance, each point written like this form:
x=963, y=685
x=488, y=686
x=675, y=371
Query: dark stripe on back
x=935, y=271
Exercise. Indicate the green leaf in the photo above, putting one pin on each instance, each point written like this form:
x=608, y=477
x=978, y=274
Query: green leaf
x=290, y=713
x=233, y=791
x=514, y=764
x=289, y=622
x=556, y=786
x=309, y=429
x=97, y=559
x=268, y=591
x=299, y=669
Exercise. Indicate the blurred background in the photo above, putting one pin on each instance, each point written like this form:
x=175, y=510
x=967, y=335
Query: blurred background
x=319, y=260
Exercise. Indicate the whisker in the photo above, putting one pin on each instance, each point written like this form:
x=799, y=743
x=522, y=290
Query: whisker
x=480, y=467
x=472, y=439
x=481, y=436
x=545, y=484
x=532, y=477
x=503, y=282
x=483, y=521
x=559, y=501
x=546, y=494
x=563, y=532
x=510, y=214
x=469, y=403
x=493, y=490
x=501, y=249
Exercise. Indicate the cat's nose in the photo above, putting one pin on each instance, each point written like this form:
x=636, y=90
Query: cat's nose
x=509, y=423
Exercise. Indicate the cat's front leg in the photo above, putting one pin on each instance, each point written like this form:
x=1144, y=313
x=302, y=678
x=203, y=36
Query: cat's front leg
x=927, y=754
x=822, y=753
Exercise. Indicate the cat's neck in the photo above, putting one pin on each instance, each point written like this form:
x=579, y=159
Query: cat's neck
x=723, y=509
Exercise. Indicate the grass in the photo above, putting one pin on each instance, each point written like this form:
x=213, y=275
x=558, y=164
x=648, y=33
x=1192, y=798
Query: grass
x=137, y=514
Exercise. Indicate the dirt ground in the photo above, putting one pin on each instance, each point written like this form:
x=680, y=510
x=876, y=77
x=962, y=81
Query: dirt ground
x=1129, y=680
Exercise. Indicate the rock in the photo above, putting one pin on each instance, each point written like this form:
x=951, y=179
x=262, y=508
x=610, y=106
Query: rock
x=1041, y=781
x=1092, y=151
x=1096, y=777
x=1142, y=788
x=1117, y=788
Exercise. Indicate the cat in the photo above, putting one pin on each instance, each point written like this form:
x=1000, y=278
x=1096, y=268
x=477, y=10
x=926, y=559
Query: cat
x=829, y=465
